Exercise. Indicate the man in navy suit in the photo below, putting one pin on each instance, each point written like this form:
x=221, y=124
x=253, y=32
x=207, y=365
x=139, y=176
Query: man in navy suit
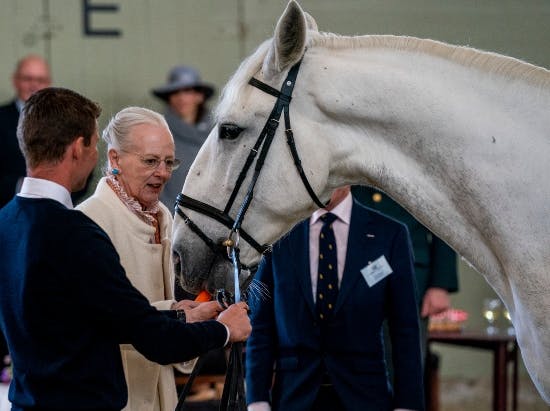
x=32, y=73
x=335, y=361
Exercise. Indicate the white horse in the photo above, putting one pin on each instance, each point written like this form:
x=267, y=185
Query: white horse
x=458, y=136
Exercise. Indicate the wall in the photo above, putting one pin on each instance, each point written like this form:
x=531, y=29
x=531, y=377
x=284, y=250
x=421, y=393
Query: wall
x=215, y=35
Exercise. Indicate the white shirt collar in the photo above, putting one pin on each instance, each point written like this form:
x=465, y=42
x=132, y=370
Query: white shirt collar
x=40, y=188
x=19, y=104
x=342, y=211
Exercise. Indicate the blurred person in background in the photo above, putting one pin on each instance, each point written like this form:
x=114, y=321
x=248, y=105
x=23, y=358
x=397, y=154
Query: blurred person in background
x=31, y=74
x=187, y=115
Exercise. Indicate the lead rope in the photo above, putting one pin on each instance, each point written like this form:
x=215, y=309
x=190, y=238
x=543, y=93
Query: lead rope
x=187, y=387
x=233, y=396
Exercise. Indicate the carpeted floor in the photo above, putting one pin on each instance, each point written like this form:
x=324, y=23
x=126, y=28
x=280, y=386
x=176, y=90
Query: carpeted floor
x=476, y=395
x=455, y=395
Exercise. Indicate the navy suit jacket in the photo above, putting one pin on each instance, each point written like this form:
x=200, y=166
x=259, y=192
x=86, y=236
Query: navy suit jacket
x=285, y=331
x=12, y=162
x=434, y=260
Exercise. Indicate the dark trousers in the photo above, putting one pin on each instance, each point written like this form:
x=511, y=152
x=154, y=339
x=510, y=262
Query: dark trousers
x=327, y=399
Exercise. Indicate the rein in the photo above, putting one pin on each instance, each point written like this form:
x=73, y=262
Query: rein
x=233, y=397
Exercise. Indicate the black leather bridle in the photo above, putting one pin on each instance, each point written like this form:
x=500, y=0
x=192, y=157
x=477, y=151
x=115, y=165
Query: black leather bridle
x=261, y=147
x=233, y=397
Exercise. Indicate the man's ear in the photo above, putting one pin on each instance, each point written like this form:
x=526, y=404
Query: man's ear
x=76, y=148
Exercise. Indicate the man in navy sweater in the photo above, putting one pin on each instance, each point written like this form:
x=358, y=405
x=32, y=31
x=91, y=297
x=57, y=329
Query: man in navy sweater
x=65, y=301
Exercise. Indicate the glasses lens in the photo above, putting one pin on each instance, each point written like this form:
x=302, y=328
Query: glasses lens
x=151, y=162
x=174, y=164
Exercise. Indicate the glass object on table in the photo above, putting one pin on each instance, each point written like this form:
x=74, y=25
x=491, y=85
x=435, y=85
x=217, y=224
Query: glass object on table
x=510, y=327
x=492, y=308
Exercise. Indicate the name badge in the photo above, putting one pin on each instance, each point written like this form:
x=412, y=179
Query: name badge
x=376, y=271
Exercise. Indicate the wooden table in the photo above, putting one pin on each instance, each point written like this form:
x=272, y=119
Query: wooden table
x=505, y=351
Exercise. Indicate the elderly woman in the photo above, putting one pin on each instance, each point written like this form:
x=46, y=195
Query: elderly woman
x=126, y=205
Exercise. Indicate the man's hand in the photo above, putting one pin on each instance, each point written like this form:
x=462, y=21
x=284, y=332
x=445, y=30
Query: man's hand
x=196, y=311
x=436, y=300
x=236, y=319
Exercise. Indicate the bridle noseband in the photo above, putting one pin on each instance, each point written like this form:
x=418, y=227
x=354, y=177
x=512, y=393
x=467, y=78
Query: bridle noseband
x=261, y=147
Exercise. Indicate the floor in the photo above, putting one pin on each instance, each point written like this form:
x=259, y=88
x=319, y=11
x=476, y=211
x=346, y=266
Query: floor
x=463, y=395
x=455, y=395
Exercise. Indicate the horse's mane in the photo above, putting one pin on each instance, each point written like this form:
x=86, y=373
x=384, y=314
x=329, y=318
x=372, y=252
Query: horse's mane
x=467, y=56
x=487, y=61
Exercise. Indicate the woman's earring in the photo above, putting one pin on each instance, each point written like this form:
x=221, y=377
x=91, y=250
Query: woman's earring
x=115, y=171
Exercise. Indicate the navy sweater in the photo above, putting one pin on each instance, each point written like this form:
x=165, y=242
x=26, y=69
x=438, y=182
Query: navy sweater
x=66, y=305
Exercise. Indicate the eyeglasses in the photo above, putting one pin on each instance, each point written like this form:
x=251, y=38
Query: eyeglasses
x=33, y=79
x=153, y=162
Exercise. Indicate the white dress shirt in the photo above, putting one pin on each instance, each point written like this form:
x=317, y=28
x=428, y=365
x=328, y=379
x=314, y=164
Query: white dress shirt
x=340, y=227
x=40, y=188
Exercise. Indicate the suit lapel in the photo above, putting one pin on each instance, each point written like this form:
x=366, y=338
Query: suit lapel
x=355, y=255
x=299, y=261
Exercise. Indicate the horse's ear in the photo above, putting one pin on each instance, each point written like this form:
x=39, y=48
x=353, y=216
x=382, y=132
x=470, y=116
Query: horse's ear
x=289, y=41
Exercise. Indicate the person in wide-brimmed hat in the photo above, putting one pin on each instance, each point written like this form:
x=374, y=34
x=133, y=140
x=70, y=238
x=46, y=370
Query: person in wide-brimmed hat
x=186, y=94
x=188, y=118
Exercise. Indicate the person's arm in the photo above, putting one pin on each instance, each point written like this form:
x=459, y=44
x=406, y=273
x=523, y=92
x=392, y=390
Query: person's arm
x=112, y=305
x=261, y=344
x=443, y=267
x=442, y=279
x=198, y=311
x=435, y=301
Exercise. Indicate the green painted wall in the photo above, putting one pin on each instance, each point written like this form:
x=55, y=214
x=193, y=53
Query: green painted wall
x=215, y=35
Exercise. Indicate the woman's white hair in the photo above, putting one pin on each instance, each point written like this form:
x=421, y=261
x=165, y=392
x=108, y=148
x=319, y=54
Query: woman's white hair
x=117, y=133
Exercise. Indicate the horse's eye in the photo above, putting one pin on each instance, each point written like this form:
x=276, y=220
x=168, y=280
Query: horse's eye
x=229, y=131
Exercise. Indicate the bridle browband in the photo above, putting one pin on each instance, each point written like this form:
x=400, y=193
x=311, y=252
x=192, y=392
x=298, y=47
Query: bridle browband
x=261, y=147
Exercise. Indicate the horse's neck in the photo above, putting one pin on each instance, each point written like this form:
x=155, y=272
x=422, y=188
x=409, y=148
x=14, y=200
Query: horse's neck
x=419, y=112
x=440, y=137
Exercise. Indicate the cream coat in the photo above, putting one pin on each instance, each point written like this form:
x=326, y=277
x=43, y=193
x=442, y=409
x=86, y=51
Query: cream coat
x=149, y=268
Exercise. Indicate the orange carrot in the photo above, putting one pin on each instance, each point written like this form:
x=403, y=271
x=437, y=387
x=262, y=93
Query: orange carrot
x=203, y=296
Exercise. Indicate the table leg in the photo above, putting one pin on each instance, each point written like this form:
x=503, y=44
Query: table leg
x=514, y=359
x=500, y=377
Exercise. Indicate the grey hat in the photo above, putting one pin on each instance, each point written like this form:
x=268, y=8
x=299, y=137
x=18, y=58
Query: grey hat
x=182, y=77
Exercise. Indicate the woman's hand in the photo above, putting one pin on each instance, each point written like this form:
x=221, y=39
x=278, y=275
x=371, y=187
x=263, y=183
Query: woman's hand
x=196, y=311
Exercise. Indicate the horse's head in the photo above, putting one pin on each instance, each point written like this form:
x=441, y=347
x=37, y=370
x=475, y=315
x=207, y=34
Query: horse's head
x=279, y=198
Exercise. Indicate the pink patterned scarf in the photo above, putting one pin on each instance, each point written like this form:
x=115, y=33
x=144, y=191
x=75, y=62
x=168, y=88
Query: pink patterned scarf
x=149, y=215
